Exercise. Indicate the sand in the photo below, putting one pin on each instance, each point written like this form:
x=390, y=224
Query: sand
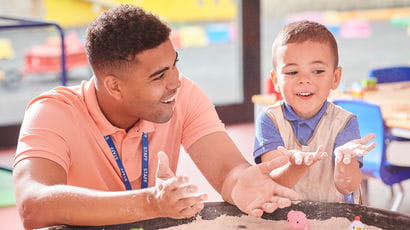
x=225, y=222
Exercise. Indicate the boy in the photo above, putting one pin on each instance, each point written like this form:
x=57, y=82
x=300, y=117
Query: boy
x=305, y=69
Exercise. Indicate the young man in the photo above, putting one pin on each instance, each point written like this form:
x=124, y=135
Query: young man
x=87, y=155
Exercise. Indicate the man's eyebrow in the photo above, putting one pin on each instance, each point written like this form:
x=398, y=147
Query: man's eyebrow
x=165, y=68
x=159, y=72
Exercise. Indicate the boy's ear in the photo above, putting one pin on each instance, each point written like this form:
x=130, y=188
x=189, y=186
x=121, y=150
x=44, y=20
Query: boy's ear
x=274, y=80
x=337, y=75
x=112, y=85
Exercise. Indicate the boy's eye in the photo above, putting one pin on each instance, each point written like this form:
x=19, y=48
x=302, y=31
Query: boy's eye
x=318, y=71
x=291, y=73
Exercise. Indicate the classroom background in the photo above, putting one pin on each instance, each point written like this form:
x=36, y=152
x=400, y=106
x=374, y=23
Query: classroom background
x=209, y=37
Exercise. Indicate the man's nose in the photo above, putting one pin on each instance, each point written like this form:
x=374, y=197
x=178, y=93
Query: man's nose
x=174, y=81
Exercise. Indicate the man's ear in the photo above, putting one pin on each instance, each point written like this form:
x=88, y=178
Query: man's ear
x=112, y=85
x=337, y=75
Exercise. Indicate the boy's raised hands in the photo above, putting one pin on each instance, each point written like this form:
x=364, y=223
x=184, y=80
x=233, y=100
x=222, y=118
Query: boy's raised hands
x=297, y=157
x=354, y=148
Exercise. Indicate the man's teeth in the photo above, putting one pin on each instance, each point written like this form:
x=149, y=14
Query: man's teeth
x=169, y=100
x=304, y=94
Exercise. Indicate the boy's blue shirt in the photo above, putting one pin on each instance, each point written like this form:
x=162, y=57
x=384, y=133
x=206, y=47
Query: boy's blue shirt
x=268, y=137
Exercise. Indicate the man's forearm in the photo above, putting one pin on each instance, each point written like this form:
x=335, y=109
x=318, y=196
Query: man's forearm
x=62, y=204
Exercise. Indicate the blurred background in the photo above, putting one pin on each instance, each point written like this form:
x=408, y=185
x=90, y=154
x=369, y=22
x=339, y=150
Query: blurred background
x=224, y=46
x=208, y=36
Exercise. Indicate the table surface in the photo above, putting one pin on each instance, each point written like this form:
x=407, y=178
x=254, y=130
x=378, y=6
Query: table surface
x=384, y=219
x=393, y=99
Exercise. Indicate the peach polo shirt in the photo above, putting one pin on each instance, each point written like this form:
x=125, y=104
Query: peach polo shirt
x=66, y=125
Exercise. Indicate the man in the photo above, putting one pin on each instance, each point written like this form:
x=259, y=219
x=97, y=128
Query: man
x=81, y=147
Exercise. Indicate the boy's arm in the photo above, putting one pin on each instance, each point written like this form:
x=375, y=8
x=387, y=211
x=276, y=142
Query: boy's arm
x=347, y=174
x=347, y=177
x=289, y=174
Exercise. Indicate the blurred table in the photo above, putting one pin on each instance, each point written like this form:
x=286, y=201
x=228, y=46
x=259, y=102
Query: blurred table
x=393, y=99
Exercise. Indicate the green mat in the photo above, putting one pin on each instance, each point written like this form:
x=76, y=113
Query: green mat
x=7, y=197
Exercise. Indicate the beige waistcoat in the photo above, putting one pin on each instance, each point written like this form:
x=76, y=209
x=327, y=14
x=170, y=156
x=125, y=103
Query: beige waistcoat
x=317, y=184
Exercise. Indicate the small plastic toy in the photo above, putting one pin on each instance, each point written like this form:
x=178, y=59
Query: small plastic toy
x=356, y=224
x=297, y=221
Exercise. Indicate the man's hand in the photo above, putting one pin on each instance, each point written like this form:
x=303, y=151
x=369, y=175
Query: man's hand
x=297, y=157
x=255, y=192
x=173, y=196
x=354, y=148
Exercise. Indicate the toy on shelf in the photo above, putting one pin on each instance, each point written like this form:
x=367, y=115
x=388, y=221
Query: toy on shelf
x=20, y=23
x=46, y=57
x=369, y=84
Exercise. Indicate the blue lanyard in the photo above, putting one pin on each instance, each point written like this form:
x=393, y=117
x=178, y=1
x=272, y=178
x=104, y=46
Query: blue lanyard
x=144, y=164
x=145, y=157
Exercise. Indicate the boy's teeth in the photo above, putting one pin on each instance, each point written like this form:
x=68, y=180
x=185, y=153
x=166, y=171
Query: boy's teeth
x=304, y=94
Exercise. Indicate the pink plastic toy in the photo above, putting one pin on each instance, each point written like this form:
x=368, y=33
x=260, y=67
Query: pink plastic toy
x=297, y=221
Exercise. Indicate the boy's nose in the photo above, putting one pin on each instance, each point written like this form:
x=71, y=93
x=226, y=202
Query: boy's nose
x=304, y=80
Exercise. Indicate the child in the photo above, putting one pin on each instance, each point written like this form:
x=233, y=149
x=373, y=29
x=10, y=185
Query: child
x=305, y=70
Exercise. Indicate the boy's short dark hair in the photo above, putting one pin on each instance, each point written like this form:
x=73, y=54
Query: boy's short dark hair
x=301, y=31
x=119, y=34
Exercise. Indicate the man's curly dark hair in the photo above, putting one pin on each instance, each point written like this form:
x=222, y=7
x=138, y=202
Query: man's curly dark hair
x=119, y=34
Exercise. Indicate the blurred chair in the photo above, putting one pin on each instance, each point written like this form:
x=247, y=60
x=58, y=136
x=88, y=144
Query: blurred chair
x=375, y=164
x=391, y=74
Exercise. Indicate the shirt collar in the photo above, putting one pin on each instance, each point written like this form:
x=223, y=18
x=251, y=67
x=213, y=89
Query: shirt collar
x=101, y=121
x=290, y=115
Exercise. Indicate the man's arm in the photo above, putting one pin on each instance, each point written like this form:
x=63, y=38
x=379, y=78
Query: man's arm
x=44, y=199
x=216, y=156
x=240, y=183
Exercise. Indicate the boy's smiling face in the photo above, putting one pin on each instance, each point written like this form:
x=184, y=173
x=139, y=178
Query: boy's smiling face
x=305, y=74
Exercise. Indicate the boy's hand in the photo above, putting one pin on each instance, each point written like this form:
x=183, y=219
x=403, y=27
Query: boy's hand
x=354, y=148
x=172, y=195
x=307, y=158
